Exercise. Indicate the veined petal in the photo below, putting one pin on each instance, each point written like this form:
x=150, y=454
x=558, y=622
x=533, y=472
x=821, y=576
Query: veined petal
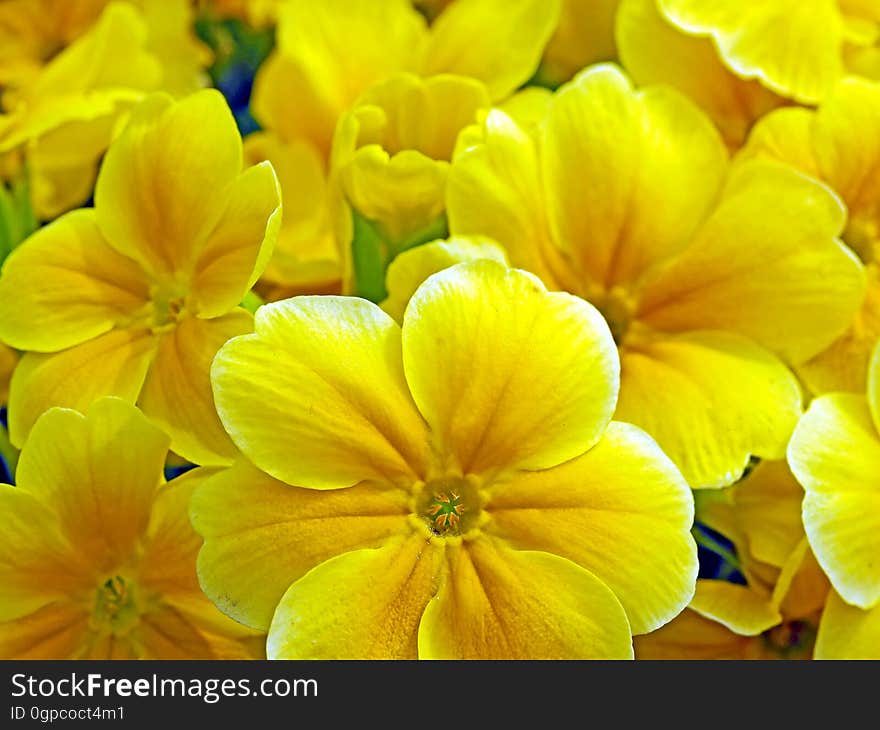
x=55, y=631
x=38, y=566
x=654, y=51
x=494, y=189
x=584, y=35
x=165, y=182
x=115, y=363
x=794, y=48
x=364, y=604
x=752, y=269
x=410, y=269
x=622, y=511
x=262, y=535
x=835, y=455
x=629, y=175
x=710, y=399
x=691, y=636
x=65, y=285
x=802, y=587
x=737, y=607
x=499, y=42
x=326, y=374
x=507, y=375
x=86, y=468
x=785, y=135
x=498, y=603
x=177, y=390
x=239, y=247
x=848, y=632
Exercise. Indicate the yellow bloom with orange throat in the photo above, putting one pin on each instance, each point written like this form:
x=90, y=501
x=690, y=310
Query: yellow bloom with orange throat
x=835, y=455
x=97, y=556
x=627, y=199
x=459, y=473
x=133, y=297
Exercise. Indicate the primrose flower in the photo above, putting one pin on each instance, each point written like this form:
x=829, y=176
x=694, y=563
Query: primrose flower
x=627, y=199
x=330, y=53
x=839, y=144
x=73, y=70
x=835, y=455
x=134, y=297
x=457, y=489
x=393, y=148
x=799, y=50
x=97, y=556
x=775, y=613
x=654, y=51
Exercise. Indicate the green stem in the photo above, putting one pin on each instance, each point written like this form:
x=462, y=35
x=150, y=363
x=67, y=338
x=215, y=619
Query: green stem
x=8, y=452
x=707, y=541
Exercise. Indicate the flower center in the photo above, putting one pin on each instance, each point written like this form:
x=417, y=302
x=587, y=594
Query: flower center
x=169, y=305
x=449, y=506
x=618, y=308
x=115, y=608
x=791, y=640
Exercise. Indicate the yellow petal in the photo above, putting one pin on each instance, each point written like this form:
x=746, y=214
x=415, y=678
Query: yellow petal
x=802, y=587
x=848, y=632
x=411, y=268
x=177, y=391
x=794, y=48
x=498, y=603
x=785, y=135
x=166, y=180
x=629, y=175
x=238, y=249
x=752, y=269
x=56, y=631
x=494, y=189
x=306, y=255
x=364, y=604
x=737, y=607
x=691, y=636
x=115, y=363
x=166, y=633
x=326, y=374
x=844, y=365
x=710, y=399
x=99, y=472
x=499, y=42
x=835, y=455
x=506, y=374
x=65, y=285
x=654, y=51
x=261, y=535
x=622, y=511
x=584, y=35
x=768, y=512
x=874, y=386
x=38, y=566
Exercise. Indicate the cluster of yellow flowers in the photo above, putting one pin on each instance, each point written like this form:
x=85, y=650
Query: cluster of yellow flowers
x=498, y=310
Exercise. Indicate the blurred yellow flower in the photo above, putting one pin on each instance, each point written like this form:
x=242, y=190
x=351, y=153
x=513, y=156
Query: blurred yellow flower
x=654, y=51
x=835, y=455
x=797, y=49
x=329, y=53
x=460, y=474
x=134, y=297
x=838, y=144
x=626, y=199
x=97, y=556
x=583, y=36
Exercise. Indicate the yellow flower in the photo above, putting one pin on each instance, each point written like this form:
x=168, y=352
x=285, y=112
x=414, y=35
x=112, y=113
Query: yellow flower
x=835, y=455
x=654, y=51
x=456, y=488
x=775, y=615
x=97, y=556
x=797, y=49
x=583, y=36
x=67, y=112
x=626, y=199
x=329, y=53
x=838, y=144
x=392, y=150
x=134, y=297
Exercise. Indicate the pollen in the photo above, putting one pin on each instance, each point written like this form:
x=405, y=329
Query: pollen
x=445, y=511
